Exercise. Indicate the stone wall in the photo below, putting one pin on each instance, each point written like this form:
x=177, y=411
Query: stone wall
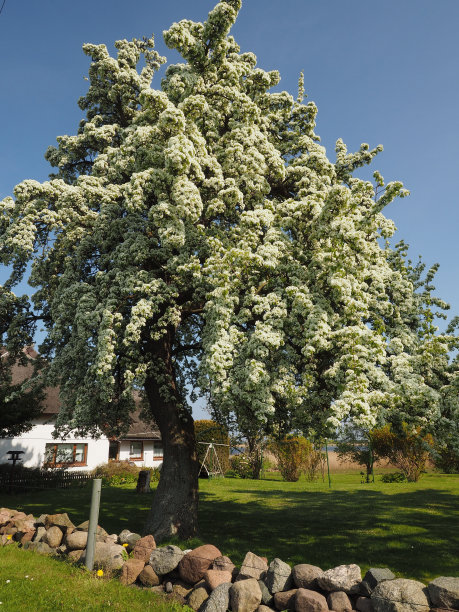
x=207, y=581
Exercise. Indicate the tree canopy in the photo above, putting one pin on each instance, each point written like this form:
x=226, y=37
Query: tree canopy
x=198, y=235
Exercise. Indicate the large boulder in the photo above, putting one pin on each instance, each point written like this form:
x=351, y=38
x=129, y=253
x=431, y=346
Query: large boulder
x=131, y=570
x=224, y=564
x=310, y=601
x=107, y=556
x=215, y=578
x=285, y=600
x=76, y=540
x=279, y=576
x=165, y=559
x=400, y=595
x=373, y=577
x=53, y=536
x=305, y=575
x=194, y=564
x=339, y=601
x=198, y=596
x=144, y=547
x=245, y=595
x=253, y=567
x=444, y=592
x=218, y=600
x=100, y=531
x=345, y=578
x=148, y=577
x=60, y=520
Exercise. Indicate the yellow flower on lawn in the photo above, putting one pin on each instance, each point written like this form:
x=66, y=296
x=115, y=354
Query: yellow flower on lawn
x=8, y=537
x=125, y=544
x=100, y=572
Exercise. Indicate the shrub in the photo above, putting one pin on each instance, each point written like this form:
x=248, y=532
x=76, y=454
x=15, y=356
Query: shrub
x=115, y=473
x=408, y=450
x=241, y=466
x=211, y=431
x=393, y=477
x=315, y=462
x=446, y=460
x=292, y=454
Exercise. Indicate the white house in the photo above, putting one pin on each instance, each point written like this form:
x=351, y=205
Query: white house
x=141, y=445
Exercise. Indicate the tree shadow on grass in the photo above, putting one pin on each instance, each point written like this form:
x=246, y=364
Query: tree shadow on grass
x=414, y=533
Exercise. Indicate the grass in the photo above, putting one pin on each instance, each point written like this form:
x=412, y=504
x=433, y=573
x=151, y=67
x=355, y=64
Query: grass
x=41, y=584
x=409, y=527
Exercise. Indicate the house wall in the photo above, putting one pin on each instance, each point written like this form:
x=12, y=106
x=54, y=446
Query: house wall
x=33, y=444
x=148, y=458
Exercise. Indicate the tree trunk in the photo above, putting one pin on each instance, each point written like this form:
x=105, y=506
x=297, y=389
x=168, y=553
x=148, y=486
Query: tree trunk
x=175, y=502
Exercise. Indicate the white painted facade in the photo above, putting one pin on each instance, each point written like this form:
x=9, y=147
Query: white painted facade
x=152, y=453
x=35, y=441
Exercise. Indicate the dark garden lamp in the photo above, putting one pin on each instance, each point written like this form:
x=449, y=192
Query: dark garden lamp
x=14, y=456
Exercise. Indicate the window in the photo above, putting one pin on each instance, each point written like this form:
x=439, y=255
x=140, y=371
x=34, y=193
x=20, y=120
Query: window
x=65, y=454
x=157, y=450
x=136, y=451
x=113, y=450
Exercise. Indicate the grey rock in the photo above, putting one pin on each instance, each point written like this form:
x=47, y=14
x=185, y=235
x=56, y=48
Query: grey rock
x=131, y=541
x=279, y=576
x=400, y=595
x=99, y=530
x=339, y=602
x=345, y=578
x=444, y=592
x=373, y=577
x=253, y=567
x=305, y=575
x=264, y=608
x=266, y=597
x=165, y=559
x=364, y=604
x=107, y=556
x=245, y=595
x=53, y=536
x=39, y=534
x=123, y=535
x=76, y=540
x=40, y=547
x=168, y=587
x=218, y=600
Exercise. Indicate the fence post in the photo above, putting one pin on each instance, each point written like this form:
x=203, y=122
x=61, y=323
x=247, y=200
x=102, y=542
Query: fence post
x=93, y=520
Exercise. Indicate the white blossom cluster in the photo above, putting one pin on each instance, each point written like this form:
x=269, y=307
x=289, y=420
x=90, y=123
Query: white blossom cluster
x=202, y=224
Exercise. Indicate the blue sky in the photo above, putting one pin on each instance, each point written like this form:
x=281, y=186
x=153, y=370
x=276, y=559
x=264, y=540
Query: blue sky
x=380, y=72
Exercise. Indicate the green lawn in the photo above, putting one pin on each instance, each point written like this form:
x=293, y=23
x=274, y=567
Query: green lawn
x=408, y=527
x=36, y=583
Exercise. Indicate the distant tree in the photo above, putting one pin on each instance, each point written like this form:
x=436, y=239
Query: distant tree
x=355, y=444
x=408, y=448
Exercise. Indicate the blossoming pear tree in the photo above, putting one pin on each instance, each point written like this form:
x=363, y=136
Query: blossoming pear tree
x=197, y=235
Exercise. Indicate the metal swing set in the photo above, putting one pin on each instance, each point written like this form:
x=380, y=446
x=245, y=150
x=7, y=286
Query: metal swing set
x=210, y=466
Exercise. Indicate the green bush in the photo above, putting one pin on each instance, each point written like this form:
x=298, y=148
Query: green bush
x=241, y=467
x=292, y=454
x=393, y=477
x=446, y=460
x=116, y=473
x=407, y=449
